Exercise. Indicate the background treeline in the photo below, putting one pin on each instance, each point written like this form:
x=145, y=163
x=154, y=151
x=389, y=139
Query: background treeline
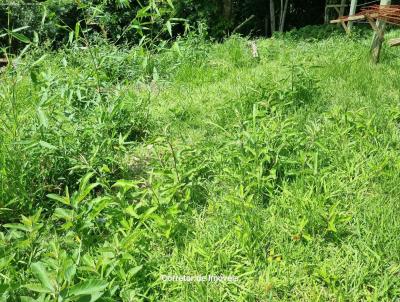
x=130, y=20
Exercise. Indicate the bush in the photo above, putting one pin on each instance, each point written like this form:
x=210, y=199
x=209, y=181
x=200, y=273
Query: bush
x=55, y=21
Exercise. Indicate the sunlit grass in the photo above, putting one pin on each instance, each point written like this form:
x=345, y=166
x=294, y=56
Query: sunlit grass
x=282, y=172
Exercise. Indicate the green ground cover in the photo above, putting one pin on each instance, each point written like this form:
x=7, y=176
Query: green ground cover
x=118, y=167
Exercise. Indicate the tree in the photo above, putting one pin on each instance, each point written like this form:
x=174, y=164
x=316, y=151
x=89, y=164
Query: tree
x=284, y=10
x=282, y=13
x=227, y=10
x=272, y=15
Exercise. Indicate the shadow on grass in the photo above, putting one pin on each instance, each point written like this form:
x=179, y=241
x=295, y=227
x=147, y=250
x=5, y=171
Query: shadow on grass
x=313, y=33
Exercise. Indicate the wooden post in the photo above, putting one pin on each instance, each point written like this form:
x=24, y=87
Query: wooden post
x=352, y=12
x=345, y=27
x=378, y=37
x=3, y=62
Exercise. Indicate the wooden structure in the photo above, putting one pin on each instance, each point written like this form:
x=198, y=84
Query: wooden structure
x=340, y=7
x=3, y=62
x=378, y=25
x=377, y=16
x=353, y=6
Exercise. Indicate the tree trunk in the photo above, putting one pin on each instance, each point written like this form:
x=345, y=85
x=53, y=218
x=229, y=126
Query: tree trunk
x=266, y=25
x=227, y=10
x=342, y=8
x=283, y=16
x=272, y=16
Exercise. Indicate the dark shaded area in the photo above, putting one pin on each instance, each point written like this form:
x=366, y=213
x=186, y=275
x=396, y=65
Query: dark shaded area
x=300, y=13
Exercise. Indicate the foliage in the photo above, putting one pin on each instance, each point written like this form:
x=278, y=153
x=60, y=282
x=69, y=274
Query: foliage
x=52, y=21
x=127, y=21
x=119, y=165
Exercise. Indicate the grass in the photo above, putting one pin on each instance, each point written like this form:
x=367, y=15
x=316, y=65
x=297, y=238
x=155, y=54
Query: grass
x=282, y=172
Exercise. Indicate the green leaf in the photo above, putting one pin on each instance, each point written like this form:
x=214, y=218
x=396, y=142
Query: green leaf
x=85, y=180
x=86, y=192
x=77, y=29
x=47, y=145
x=96, y=297
x=44, y=15
x=42, y=116
x=99, y=204
x=37, y=288
x=27, y=299
x=125, y=184
x=40, y=272
x=5, y=261
x=87, y=287
x=331, y=225
x=35, y=81
x=20, y=37
x=70, y=37
x=17, y=226
x=169, y=27
x=63, y=200
x=142, y=12
x=170, y=4
x=22, y=52
x=131, y=212
x=65, y=214
x=69, y=272
x=148, y=213
x=155, y=74
x=176, y=47
x=179, y=19
x=135, y=270
x=19, y=29
x=38, y=61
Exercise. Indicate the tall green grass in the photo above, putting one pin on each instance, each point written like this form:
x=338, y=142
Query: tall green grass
x=118, y=167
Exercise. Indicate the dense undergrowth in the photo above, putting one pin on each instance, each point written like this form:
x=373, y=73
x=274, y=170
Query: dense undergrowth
x=118, y=167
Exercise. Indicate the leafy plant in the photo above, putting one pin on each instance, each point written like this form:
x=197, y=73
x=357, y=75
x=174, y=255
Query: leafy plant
x=91, y=289
x=122, y=164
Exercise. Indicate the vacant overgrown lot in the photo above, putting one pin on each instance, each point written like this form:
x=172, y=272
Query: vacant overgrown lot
x=119, y=166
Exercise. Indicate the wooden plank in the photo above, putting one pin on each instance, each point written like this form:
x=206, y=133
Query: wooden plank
x=350, y=18
x=354, y=18
x=378, y=37
x=337, y=7
x=372, y=22
x=353, y=6
x=394, y=42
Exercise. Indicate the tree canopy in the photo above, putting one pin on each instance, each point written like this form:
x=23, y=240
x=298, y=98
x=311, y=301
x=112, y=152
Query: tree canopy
x=130, y=20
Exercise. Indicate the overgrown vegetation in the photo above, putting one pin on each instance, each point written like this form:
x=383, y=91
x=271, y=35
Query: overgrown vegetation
x=126, y=20
x=122, y=164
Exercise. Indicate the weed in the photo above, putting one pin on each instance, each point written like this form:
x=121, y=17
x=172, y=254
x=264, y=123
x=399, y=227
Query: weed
x=119, y=165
